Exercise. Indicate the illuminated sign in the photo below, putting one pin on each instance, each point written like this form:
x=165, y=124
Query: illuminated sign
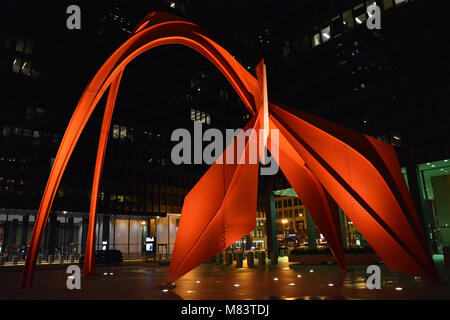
x=150, y=244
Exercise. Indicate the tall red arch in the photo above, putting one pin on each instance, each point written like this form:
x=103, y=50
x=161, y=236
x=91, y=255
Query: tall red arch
x=329, y=159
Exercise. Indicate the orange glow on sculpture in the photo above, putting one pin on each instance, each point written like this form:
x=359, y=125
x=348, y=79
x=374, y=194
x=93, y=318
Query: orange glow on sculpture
x=323, y=162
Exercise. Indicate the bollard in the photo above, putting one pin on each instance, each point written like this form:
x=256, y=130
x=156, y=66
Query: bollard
x=250, y=259
x=50, y=258
x=72, y=258
x=239, y=259
x=15, y=259
x=229, y=258
x=61, y=259
x=39, y=260
x=262, y=258
x=273, y=258
x=2, y=261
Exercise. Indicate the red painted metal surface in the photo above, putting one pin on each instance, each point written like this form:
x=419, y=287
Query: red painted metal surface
x=308, y=188
x=319, y=158
x=366, y=182
x=89, y=254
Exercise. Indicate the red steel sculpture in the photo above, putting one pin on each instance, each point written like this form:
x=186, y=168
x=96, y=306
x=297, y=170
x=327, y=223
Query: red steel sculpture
x=325, y=163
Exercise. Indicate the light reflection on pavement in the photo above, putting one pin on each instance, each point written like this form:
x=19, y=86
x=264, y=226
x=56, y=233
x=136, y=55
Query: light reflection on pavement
x=214, y=282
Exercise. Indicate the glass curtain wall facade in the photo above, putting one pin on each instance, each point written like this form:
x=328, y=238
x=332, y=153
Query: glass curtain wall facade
x=66, y=234
x=434, y=181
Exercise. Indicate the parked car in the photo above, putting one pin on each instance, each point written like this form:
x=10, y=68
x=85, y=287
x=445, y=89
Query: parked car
x=108, y=257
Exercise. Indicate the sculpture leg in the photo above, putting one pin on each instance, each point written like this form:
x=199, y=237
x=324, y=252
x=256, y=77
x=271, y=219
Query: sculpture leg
x=219, y=210
x=89, y=256
x=312, y=194
x=76, y=125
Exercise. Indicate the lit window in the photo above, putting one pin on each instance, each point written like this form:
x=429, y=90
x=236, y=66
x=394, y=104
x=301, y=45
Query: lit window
x=396, y=140
x=326, y=34
x=316, y=40
x=29, y=47
x=360, y=14
x=130, y=135
x=26, y=68
x=193, y=114
x=208, y=119
x=337, y=26
x=116, y=129
x=6, y=131
x=387, y=4
x=20, y=44
x=360, y=19
x=347, y=18
x=123, y=133
x=16, y=65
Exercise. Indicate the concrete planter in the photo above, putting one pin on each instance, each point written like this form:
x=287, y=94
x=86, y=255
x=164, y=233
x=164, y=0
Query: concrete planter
x=350, y=258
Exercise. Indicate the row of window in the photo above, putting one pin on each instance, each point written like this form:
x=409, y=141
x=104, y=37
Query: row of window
x=22, y=45
x=13, y=159
x=125, y=133
x=347, y=20
x=290, y=213
x=122, y=133
x=4, y=180
x=287, y=203
x=23, y=66
x=173, y=199
x=291, y=227
x=8, y=131
x=161, y=162
x=197, y=115
x=34, y=113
